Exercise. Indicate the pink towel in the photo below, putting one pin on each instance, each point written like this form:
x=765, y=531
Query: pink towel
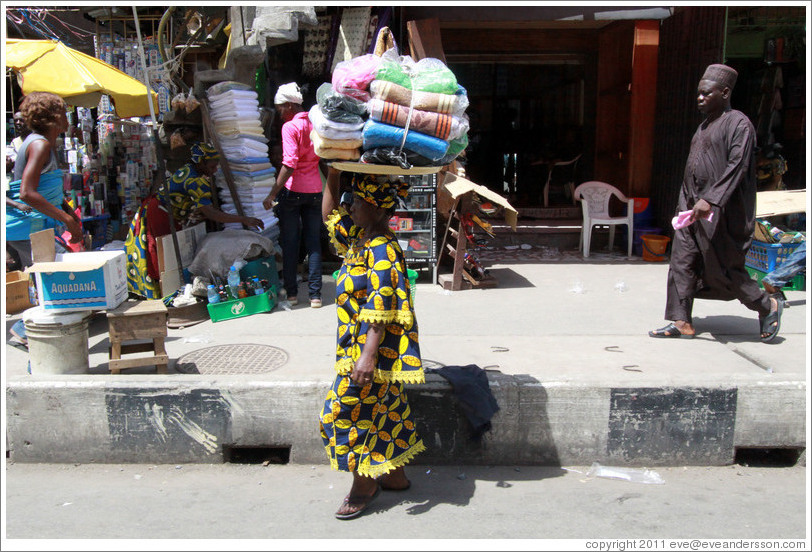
x=683, y=219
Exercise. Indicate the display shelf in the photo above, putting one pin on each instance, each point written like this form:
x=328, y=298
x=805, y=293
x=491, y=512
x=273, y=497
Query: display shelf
x=415, y=222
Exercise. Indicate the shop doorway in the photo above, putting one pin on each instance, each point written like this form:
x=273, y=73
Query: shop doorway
x=524, y=116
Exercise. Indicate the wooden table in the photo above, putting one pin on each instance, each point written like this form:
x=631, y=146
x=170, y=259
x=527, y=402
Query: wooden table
x=138, y=320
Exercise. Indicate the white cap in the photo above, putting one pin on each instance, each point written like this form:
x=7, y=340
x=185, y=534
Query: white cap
x=289, y=92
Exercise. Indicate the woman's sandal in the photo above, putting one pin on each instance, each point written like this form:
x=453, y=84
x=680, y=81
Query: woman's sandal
x=771, y=323
x=360, y=502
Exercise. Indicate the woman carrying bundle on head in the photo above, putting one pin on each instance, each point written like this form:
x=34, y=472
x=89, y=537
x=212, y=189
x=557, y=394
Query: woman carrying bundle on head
x=366, y=422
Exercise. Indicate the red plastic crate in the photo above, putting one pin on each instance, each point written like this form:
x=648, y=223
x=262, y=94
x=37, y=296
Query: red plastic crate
x=766, y=256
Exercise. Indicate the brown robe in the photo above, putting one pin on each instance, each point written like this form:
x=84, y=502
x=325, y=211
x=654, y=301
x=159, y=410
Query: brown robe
x=707, y=258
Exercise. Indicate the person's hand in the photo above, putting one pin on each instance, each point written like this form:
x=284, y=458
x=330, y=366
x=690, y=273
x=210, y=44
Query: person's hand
x=268, y=201
x=701, y=210
x=75, y=229
x=20, y=206
x=363, y=371
x=253, y=223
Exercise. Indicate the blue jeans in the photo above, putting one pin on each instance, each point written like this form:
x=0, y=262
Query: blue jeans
x=300, y=219
x=787, y=270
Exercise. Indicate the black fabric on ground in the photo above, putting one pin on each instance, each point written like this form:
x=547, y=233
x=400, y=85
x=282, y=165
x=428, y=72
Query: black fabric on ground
x=470, y=385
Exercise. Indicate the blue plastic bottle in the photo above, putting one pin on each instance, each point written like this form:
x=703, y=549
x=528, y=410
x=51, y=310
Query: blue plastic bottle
x=258, y=287
x=233, y=281
x=214, y=297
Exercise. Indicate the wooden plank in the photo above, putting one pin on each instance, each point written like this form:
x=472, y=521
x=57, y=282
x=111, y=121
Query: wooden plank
x=147, y=326
x=643, y=106
x=424, y=39
x=123, y=364
x=204, y=109
x=782, y=202
x=447, y=283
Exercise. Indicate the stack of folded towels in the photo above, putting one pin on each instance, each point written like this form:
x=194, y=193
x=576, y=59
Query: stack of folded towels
x=391, y=110
x=236, y=118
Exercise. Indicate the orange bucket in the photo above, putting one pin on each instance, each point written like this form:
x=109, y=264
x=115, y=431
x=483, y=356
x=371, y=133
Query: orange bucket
x=654, y=247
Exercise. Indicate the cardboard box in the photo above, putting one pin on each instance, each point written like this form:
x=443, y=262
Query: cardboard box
x=188, y=239
x=88, y=280
x=171, y=275
x=17, y=292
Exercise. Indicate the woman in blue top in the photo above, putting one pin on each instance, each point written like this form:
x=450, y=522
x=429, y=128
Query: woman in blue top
x=366, y=422
x=37, y=178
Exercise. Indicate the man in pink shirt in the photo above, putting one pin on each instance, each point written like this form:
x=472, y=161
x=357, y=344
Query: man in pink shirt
x=299, y=191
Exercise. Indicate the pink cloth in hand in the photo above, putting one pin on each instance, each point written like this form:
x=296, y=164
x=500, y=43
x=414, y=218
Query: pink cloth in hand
x=683, y=219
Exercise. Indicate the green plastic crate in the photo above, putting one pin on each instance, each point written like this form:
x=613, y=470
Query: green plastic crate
x=264, y=269
x=798, y=283
x=247, y=306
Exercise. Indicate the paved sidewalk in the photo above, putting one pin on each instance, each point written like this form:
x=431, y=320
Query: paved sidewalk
x=574, y=329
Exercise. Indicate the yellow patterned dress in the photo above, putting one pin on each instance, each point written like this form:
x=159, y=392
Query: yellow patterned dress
x=188, y=191
x=369, y=428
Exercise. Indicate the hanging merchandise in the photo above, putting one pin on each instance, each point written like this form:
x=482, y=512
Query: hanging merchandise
x=123, y=55
x=234, y=111
x=408, y=113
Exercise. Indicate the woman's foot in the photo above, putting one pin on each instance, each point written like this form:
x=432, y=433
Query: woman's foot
x=395, y=480
x=364, y=490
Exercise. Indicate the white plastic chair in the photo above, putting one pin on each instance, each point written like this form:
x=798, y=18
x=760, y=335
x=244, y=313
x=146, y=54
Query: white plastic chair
x=594, y=197
x=570, y=182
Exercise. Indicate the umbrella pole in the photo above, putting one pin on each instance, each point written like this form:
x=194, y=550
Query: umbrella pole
x=157, y=145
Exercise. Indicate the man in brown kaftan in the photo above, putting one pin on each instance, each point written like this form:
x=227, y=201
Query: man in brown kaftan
x=719, y=187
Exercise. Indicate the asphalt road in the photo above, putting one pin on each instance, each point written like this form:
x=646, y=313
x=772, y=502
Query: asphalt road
x=255, y=501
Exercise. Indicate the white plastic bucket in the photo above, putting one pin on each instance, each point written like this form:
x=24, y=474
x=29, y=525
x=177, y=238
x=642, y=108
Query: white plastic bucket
x=57, y=342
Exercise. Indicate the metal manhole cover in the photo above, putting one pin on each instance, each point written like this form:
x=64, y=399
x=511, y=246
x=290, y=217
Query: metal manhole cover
x=233, y=359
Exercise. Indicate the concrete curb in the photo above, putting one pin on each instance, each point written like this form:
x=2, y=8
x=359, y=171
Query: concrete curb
x=196, y=419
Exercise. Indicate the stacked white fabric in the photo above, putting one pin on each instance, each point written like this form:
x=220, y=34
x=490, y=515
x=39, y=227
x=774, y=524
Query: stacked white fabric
x=236, y=118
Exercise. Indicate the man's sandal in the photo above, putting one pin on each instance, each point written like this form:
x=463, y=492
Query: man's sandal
x=670, y=331
x=771, y=323
x=360, y=502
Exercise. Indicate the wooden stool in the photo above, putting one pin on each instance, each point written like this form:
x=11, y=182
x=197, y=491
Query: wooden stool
x=138, y=320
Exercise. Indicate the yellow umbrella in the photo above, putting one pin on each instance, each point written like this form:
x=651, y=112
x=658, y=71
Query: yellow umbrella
x=50, y=66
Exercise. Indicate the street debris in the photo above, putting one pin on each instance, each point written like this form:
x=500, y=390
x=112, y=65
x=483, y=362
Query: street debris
x=633, y=475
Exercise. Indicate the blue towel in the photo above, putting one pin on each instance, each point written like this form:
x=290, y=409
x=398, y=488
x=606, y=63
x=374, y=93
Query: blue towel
x=19, y=225
x=248, y=160
x=377, y=134
x=255, y=174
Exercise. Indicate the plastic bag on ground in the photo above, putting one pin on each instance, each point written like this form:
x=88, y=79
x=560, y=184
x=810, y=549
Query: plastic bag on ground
x=633, y=475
